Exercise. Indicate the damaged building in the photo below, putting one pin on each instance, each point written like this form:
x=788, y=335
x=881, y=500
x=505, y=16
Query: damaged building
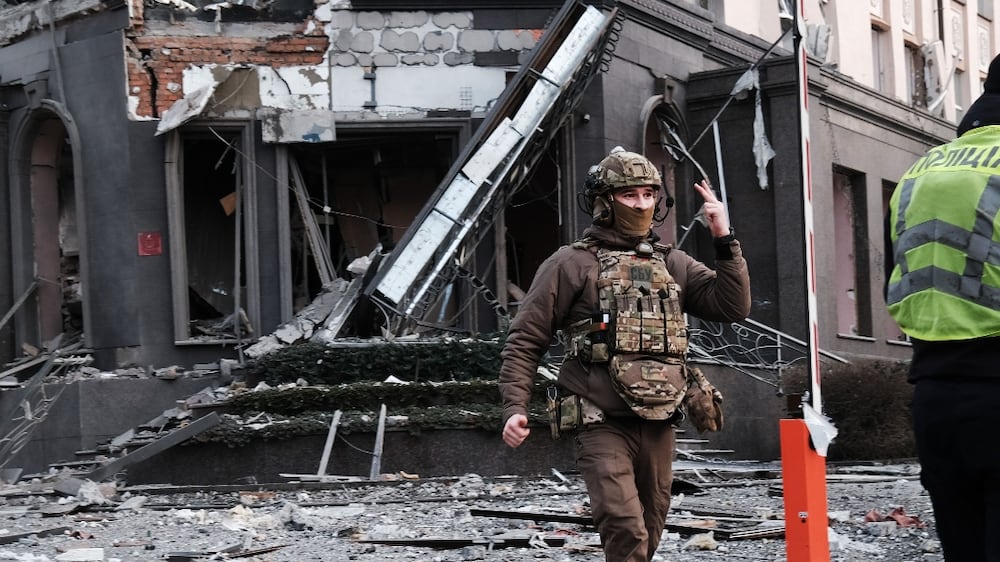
x=185, y=178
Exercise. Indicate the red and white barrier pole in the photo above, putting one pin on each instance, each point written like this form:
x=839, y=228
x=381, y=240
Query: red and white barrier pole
x=803, y=468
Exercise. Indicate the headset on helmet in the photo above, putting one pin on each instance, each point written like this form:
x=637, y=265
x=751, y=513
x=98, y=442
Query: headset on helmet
x=618, y=170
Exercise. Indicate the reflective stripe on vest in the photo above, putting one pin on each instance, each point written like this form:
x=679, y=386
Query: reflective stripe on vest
x=946, y=280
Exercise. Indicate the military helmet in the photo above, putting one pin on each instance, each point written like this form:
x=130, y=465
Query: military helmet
x=619, y=169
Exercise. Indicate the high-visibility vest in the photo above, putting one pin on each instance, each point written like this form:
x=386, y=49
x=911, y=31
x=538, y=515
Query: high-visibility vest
x=943, y=216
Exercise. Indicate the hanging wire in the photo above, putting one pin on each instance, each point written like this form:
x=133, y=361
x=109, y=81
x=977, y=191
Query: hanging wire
x=312, y=202
x=731, y=97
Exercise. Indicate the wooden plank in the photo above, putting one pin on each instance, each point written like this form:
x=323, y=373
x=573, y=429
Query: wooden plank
x=178, y=436
x=10, y=313
x=377, y=452
x=330, y=437
x=51, y=532
x=533, y=516
x=320, y=478
x=684, y=530
x=24, y=366
x=447, y=543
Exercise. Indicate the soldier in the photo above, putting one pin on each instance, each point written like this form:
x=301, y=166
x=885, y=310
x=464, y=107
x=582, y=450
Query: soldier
x=619, y=298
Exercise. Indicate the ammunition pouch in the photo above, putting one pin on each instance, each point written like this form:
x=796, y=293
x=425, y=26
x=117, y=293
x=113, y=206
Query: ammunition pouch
x=653, y=387
x=567, y=413
x=588, y=340
x=703, y=402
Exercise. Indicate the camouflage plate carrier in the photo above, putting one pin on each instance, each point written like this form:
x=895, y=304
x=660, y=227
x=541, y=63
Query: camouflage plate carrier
x=639, y=332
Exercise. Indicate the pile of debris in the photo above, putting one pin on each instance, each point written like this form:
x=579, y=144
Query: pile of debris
x=721, y=510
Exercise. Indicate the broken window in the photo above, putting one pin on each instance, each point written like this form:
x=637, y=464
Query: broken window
x=535, y=223
x=362, y=190
x=212, y=225
x=852, y=283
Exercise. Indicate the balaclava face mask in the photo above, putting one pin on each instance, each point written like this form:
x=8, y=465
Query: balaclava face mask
x=633, y=222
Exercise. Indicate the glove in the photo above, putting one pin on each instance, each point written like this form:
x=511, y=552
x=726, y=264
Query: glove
x=703, y=402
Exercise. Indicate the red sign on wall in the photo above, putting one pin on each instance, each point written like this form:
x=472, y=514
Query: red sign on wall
x=150, y=244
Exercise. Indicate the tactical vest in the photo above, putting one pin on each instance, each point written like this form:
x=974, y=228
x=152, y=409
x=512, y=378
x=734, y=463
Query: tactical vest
x=946, y=281
x=639, y=332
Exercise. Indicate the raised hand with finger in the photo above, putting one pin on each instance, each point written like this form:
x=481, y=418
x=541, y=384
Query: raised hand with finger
x=713, y=211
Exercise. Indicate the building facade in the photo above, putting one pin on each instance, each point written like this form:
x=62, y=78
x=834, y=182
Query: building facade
x=183, y=177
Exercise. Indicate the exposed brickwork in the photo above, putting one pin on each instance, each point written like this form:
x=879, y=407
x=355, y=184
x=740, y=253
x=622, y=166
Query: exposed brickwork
x=418, y=38
x=164, y=59
x=138, y=11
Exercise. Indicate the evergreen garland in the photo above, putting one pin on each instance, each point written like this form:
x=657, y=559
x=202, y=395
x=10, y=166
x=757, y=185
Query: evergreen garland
x=448, y=383
x=439, y=360
x=369, y=396
x=241, y=430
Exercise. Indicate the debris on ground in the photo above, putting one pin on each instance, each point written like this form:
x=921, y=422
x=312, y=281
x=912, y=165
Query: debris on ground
x=468, y=517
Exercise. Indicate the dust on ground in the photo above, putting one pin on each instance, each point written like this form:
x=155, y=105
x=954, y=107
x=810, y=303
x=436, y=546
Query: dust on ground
x=876, y=512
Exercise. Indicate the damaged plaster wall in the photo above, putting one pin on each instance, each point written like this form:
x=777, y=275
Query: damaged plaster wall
x=162, y=70
x=360, y=64
x=22, y=19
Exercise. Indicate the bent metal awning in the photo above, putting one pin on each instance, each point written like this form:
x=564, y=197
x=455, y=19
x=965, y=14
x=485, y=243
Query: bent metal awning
x=496, y=161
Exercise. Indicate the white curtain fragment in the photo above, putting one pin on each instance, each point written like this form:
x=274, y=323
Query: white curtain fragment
x=762, y=151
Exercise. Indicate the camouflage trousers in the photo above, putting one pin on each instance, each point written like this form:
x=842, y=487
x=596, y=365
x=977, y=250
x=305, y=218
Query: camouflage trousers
x=626, y=464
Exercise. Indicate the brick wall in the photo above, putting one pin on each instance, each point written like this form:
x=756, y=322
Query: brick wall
x=156, y=64
x=339, y=38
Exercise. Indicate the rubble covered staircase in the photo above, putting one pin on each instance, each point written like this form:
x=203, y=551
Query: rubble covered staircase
x=748, y=347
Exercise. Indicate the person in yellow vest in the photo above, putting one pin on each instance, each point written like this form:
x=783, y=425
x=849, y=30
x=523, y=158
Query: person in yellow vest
x=618, y=297
x=943, y=289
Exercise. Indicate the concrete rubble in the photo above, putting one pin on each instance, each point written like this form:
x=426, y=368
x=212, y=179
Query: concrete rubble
x=397, y=519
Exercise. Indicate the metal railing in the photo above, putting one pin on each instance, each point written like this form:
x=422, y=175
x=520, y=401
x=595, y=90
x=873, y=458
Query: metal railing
x=750, y=347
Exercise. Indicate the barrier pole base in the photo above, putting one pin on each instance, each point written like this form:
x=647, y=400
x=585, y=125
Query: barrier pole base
x=803, y=473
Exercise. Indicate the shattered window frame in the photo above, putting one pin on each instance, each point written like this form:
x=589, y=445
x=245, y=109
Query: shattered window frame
x=459, y=129
x=242, y=131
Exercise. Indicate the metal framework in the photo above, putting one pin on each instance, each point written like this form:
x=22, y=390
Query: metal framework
x=496, y=162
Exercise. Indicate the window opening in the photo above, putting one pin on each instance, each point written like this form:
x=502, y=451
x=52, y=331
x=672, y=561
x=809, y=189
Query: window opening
x=211, y=199
x=363, y=190
x=212, y=233
x=880, y=54
x=852, y=281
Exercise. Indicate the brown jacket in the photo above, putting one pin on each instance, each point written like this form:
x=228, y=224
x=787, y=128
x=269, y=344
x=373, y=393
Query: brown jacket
x=564, y=291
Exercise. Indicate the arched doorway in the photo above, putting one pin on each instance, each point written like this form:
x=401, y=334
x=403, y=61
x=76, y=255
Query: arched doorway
x=658, y=118
x=46, y=232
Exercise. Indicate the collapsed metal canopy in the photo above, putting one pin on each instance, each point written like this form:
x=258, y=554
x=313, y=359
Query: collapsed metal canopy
x=496, y=161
